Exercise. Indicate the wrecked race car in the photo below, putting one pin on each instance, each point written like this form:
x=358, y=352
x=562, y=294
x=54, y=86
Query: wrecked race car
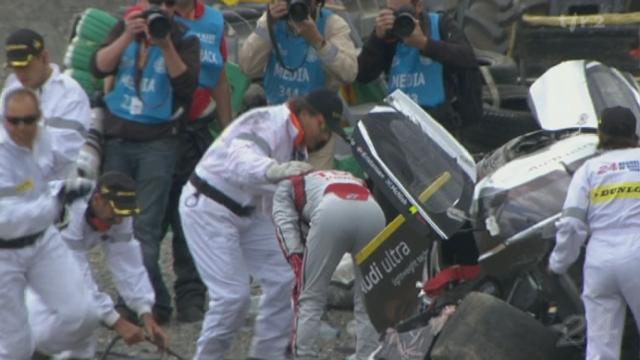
x=510, y=209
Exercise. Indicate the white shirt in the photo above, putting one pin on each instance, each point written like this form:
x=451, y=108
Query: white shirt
x=27, y=203
x=124, y=258
x=64, y=104
x=602, y=205
x=237, y=162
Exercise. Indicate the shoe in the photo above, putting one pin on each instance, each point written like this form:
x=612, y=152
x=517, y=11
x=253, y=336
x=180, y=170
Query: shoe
x=190, y=314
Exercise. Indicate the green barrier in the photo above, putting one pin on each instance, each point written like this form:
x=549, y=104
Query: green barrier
x=95, y=25
x=373, y=92
x=349, y=164
x=90, y=31
x=79, y=53
x=239, y=83
x=89, y=83
x=358, y=93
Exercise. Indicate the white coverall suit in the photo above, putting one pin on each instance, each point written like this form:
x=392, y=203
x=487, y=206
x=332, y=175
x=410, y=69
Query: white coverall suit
x=227, y=248
x=603, y=205
x=341, y=217
x=124, y=258
x=28, y=206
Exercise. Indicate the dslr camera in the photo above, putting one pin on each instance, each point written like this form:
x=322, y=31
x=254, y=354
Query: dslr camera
x=299, y=9
x=404, y=23
x=158, y=22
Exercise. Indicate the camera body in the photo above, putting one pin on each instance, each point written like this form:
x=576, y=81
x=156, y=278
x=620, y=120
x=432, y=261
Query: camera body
x=299, y=10
x=404, y=23
x=158, y=22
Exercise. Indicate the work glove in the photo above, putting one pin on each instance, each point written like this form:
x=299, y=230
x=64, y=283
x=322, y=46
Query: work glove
x=74, y=188
x=287, y=169
x=86, y=166
x=296, y=262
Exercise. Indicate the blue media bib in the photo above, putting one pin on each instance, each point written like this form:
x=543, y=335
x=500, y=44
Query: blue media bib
x=280, y=84
x=153, y=103
x=209, y=28
x=416, y=75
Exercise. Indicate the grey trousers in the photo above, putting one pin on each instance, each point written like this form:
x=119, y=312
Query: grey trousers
x=336, y=227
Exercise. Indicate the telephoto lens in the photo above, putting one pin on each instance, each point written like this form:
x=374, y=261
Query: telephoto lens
x=405, y=22
x=90, y=157
x=298, y=10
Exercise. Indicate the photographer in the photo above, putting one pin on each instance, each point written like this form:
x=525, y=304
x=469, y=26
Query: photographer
x=156, y=64
x=420, y=51
x=314, y=51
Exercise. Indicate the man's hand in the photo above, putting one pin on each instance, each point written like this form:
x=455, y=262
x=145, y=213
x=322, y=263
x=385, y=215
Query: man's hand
x=287, y=169
x=278, y=10
x=134, y=25
x=309, y=31
x=155, y=332
x=417, y=39
x=130, y=333
x=384, y=23
x=163, y=43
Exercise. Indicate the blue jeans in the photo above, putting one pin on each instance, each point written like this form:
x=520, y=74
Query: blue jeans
x=151, y=164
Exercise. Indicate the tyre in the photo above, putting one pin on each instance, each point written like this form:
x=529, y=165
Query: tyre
x=502, y=68
x=488, y=24
x=484, y=327
x=497, y=127
x=508, y=97
x=95, y=25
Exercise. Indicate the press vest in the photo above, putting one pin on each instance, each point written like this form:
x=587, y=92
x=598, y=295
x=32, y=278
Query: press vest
x=416, y=75
x=209, y=28
x=281, y=84
x=152, y=103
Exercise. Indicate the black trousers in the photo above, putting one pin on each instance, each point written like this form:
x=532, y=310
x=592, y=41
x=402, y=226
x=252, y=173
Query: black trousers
x=189, y=289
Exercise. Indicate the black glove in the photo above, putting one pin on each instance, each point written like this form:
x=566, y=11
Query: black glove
x=74, y=188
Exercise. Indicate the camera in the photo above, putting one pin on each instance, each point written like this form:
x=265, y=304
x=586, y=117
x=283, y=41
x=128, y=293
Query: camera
x=299, y=9
x=405, y=22
x=158, y=22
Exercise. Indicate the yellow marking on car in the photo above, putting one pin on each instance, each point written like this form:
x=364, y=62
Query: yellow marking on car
x=386, y=233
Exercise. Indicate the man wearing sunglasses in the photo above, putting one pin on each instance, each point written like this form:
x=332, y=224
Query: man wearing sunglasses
x=65, y=106
x=155, y=78
x=103, y=219
x=32, y=254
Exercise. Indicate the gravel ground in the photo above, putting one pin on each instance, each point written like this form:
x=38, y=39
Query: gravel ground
x=184, y=336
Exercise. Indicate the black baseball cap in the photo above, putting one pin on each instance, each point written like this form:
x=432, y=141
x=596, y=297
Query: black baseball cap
x=22, y=47
x=120, y=191
x=617, y=121
x=327, y=103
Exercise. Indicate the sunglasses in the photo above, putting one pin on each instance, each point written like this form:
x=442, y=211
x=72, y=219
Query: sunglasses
x=27, y=120
x=160, y=2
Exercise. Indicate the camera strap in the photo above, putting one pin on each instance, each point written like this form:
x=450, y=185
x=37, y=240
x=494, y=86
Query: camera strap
x=271, y=23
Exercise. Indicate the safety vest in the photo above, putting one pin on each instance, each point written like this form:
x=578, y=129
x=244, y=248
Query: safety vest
x=416, y=75
x=281, y=84
x=209, y=28
x=152, y=102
